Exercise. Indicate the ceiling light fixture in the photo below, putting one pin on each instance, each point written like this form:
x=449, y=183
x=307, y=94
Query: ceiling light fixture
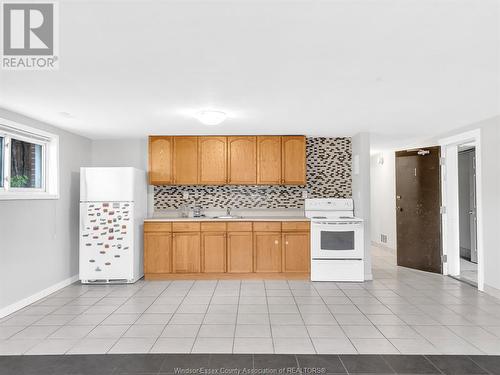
x=211, y=117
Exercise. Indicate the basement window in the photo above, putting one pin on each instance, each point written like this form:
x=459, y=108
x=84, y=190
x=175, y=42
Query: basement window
x=28, y=162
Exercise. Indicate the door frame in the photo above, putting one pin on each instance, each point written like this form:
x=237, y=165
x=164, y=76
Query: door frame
x=449, y=198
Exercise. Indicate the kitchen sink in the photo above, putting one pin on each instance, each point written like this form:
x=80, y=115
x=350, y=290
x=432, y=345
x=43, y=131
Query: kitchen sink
x=228, y=217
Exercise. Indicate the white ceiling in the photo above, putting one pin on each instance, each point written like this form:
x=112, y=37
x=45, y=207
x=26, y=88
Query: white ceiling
x=398, y=68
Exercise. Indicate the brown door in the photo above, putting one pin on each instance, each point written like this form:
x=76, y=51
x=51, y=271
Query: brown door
x=267, y=251
x=160, y=160
x=239, y=252
x=186, y=252
x=269, y=160
x=185, y=160
x=296, y=256
x=418, y=201
x=212, y=160
x=293, y=160
x=157, y=252
x=242, y=160
x=213, y=251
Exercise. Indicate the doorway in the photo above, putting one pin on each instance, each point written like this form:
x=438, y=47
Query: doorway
x=462, y=217
x=418, y=203
x=467, y=213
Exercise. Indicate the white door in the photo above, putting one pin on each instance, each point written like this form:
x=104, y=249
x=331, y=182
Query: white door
x=106, y=240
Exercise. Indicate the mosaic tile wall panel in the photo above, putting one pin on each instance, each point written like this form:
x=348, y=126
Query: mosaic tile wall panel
x=328, y=176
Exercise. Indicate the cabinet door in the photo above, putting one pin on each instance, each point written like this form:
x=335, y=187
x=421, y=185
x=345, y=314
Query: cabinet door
x=239, y=252
x=212, y=157
x=293, y=160
x=157, y=252
x=213, y=251
x=267, y=251
x=160, y=160
x=269, y=160
x=185, y=160
x=186, y=252
x=242, y=161
x=296, y=253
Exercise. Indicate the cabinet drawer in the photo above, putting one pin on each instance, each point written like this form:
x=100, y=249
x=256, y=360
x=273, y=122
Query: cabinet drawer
x=295, y=226
x=213, y=227
x=157, y=227
x=267, y=226
x=241, y=226
x=186, y=227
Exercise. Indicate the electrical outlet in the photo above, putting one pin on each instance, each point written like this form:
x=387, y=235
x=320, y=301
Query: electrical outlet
x=383, y=238
x=185, y=195
x=305, y=194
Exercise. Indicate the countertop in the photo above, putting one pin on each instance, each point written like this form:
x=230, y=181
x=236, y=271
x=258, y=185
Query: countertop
x=244, y=218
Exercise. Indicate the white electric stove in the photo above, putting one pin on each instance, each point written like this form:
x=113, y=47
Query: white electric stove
x=337, y=250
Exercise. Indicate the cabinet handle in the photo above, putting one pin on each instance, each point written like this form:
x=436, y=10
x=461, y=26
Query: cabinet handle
x=275, y=242
x=286, y=242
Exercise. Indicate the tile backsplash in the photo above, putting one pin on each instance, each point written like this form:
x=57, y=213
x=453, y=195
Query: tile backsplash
x=328, y=176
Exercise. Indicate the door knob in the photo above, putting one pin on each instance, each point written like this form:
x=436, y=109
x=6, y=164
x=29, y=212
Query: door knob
x=399, y=209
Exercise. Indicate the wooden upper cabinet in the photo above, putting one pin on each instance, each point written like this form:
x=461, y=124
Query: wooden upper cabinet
x=218, y=160
x=293, y=160
x=212, y=156
x=269, y=160
x=160, y=160
x=185, y=160
x=242, y=160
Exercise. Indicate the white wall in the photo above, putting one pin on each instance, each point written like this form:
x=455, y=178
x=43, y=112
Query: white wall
x=123, y=153
x=39, y=238
x=361, y=190
x=120, y=153
x=383, y=198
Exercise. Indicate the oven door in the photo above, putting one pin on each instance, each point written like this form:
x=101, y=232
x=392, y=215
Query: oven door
x=337, y=240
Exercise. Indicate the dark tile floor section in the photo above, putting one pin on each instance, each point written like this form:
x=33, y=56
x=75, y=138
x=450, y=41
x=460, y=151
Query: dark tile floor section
x=247, y=364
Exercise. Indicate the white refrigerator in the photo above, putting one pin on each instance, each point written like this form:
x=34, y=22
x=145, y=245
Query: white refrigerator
x=113, y=205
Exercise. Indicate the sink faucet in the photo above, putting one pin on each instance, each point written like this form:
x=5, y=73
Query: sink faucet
x=228, y=211
x=197, y=211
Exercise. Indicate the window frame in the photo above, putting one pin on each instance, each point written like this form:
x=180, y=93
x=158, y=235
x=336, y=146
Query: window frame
x=50, y=161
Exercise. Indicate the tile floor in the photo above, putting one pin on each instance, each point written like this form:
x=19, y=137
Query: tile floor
x=234, y=364
x=401, y=311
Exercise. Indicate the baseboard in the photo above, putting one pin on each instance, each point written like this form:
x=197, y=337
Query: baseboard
x=382, y=246
x=492, y=291
x=7, y=310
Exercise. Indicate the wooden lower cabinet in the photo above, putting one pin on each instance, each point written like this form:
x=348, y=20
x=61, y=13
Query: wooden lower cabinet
x=239, y=252
x=296, y=253
x=268, y=250
x=157, y=252
x=186, y=252
x=213, y=252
